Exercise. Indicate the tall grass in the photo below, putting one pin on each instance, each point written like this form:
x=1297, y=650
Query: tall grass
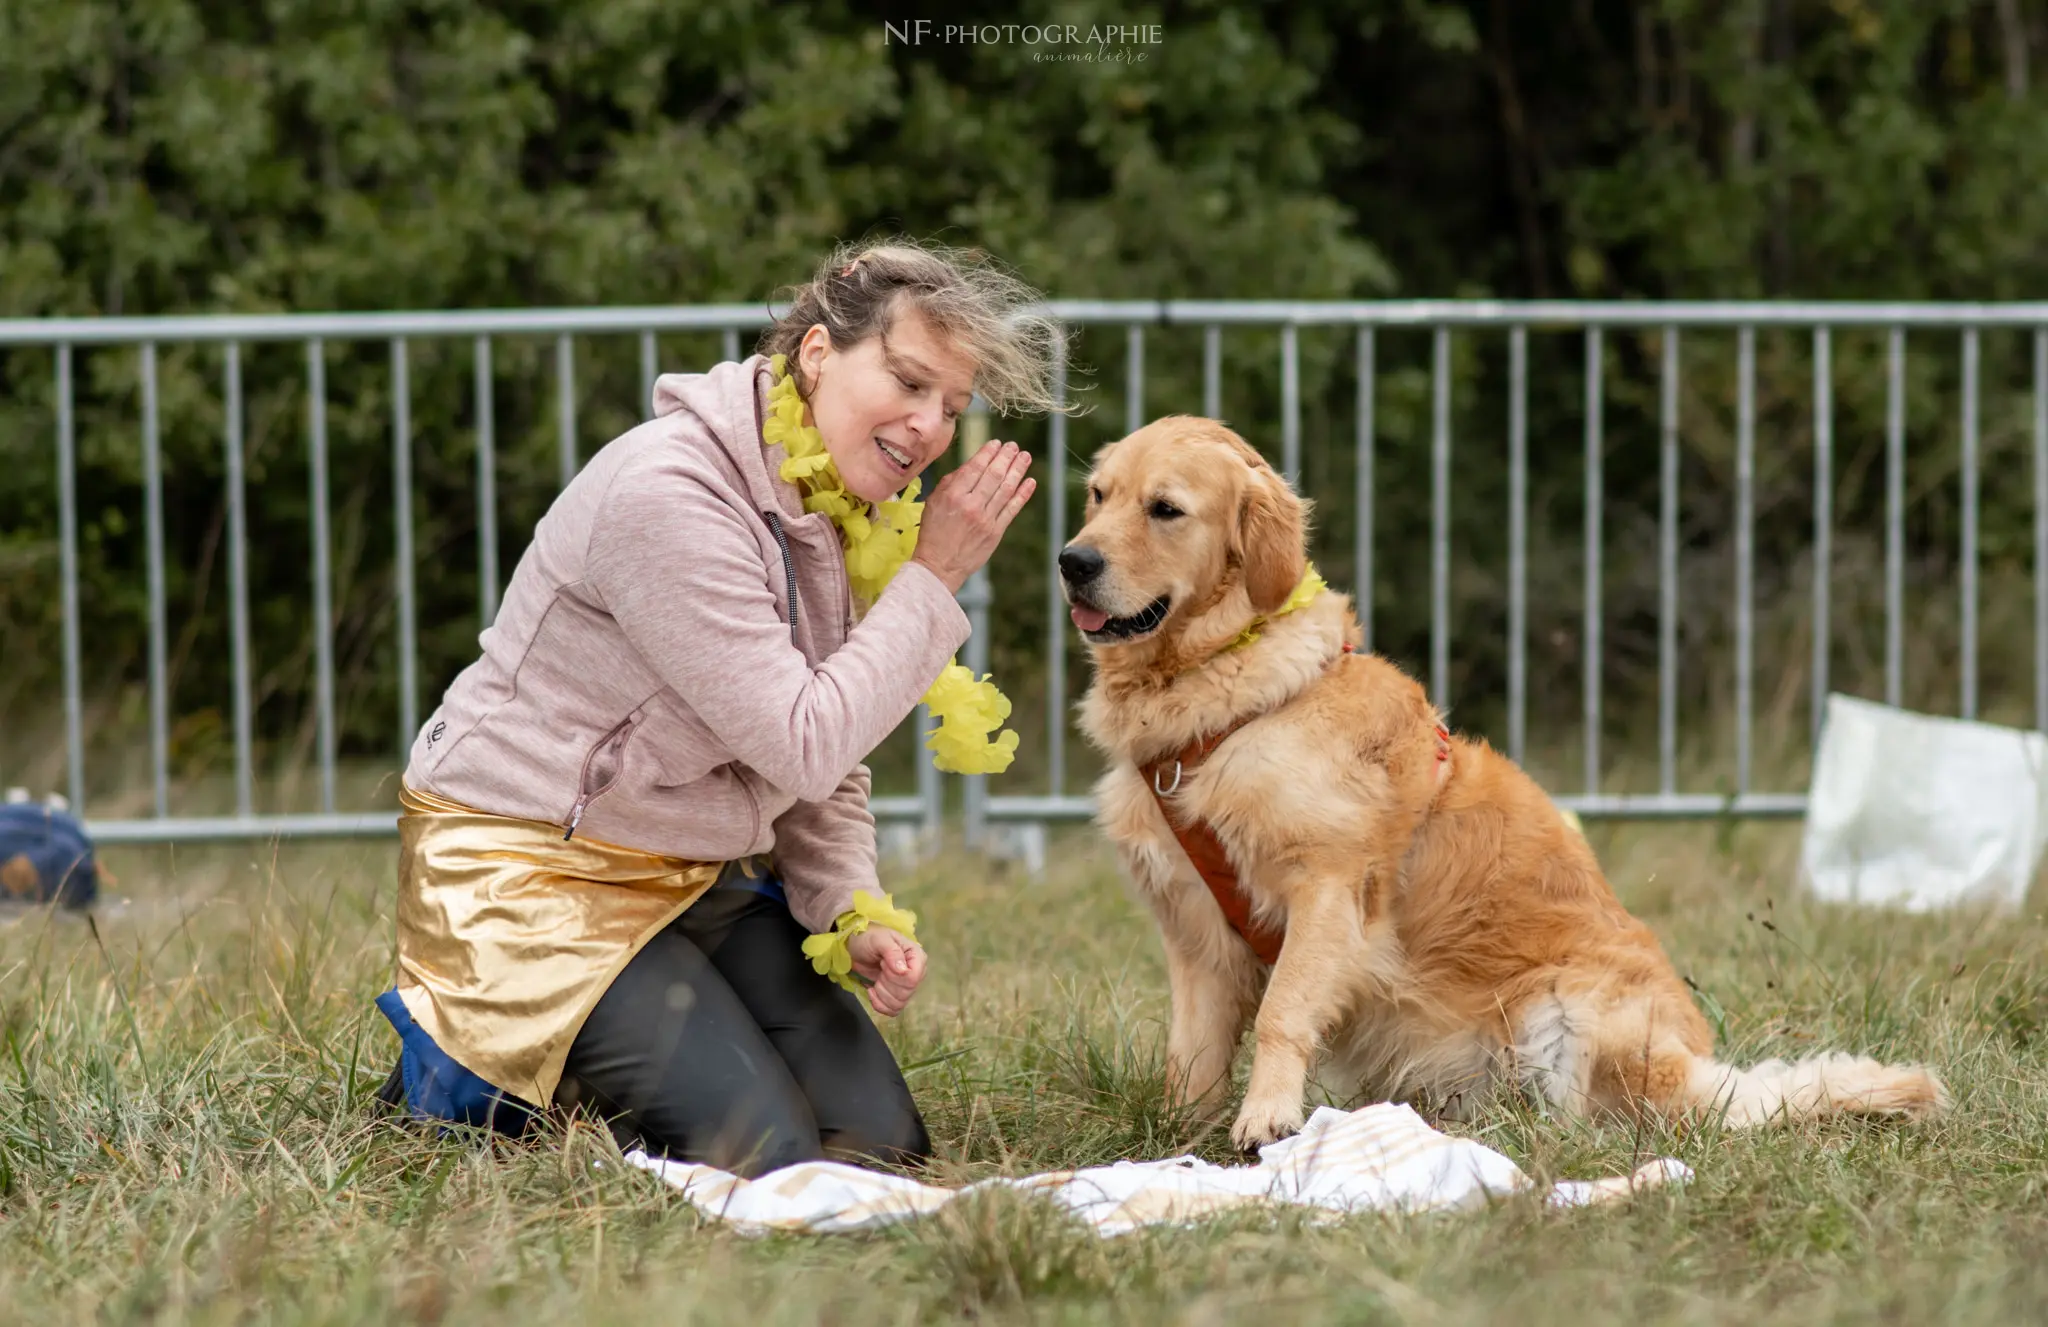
x=184, y=1131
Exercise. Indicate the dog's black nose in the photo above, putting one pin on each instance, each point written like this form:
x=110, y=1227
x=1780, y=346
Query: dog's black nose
x=1080, y=564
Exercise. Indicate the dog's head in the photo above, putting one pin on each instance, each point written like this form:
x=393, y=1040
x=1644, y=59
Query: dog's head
x=1183, y=516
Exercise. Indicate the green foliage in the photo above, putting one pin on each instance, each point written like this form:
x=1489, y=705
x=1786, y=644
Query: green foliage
x=166, y=156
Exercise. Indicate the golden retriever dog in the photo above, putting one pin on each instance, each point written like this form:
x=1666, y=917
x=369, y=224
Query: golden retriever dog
x=1433, y=929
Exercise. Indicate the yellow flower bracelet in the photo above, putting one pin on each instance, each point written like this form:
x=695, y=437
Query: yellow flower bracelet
x=829, y=953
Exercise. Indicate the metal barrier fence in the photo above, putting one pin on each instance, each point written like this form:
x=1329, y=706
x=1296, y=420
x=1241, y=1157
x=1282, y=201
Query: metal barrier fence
x=1441, y=318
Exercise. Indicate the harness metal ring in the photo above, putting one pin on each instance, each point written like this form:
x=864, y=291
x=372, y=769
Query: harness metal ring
x=1167, y=792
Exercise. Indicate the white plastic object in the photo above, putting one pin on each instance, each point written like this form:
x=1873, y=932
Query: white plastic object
x=16, y=796
x=1920, y=812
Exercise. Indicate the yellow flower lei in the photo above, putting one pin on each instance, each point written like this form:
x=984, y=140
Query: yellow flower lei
x=829, y=952
x=1305, y=590
x=878, y=541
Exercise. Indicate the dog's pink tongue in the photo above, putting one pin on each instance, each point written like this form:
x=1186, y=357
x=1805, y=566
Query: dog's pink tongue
x=1089, y=619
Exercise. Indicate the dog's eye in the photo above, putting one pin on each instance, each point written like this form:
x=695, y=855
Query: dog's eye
x=1094, y=494
x=1163, y=510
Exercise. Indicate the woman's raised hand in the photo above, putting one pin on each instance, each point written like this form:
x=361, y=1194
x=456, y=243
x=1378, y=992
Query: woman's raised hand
x=966, y=515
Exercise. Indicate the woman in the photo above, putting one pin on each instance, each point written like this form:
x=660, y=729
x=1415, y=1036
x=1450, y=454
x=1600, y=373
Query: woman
x=637, y=860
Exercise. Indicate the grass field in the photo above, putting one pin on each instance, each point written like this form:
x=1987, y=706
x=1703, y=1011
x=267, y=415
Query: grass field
x=184, y=1134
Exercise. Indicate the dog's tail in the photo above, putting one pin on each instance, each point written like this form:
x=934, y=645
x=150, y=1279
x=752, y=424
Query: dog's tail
x=1833, y=1084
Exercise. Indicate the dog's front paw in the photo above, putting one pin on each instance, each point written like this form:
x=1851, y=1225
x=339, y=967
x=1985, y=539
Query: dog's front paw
x=1259, y=1123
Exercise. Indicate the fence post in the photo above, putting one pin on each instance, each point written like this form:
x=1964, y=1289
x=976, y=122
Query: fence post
x=975, y=597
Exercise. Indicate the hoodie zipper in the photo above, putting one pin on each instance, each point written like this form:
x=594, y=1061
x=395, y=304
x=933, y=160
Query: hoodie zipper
x=615, y=740
x=788, y=568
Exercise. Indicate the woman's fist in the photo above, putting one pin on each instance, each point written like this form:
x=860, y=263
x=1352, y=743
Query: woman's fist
x=892, y=964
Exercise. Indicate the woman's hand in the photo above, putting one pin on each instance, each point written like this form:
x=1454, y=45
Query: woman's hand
x=893, y=964
x=966, y=515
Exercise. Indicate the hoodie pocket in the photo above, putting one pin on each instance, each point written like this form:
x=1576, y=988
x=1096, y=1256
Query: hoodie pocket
x=601, y=767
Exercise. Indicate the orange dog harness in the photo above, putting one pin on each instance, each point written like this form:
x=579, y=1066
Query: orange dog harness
x=1205, y=851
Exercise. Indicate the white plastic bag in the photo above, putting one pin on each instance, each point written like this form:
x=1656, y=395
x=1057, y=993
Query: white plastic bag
x=1920, y=812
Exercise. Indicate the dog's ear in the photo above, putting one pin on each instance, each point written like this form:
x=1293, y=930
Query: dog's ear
x=1269, y=540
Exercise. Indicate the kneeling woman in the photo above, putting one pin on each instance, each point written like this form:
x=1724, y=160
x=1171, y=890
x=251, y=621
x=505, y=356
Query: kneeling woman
x=637, y=861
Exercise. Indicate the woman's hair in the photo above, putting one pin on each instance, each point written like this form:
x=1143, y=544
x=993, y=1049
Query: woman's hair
x=860, y=290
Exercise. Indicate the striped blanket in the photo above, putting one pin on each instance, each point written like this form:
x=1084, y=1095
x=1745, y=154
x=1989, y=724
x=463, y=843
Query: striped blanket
x=1379, y=1158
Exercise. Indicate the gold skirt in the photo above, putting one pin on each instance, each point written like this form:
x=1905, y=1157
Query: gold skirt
x=507, y=935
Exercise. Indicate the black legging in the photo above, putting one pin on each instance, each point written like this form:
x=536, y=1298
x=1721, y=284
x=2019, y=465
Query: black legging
x=719, y=1043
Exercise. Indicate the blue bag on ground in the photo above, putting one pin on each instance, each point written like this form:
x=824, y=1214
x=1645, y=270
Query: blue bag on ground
x=45, y=856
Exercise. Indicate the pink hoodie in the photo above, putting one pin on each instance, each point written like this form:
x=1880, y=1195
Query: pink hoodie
x=646, y=682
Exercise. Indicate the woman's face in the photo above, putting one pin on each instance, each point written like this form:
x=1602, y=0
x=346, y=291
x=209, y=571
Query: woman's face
x=885, y=408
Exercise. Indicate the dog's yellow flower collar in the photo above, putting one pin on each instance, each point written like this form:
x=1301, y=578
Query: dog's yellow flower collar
x=829, y=953
x=1305, y=590
x=878, y=541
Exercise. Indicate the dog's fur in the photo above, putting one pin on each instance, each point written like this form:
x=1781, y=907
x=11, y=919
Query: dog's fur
x=1447, y=932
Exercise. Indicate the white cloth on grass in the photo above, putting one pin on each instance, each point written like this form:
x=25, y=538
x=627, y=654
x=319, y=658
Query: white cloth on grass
x=1379, y=1158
